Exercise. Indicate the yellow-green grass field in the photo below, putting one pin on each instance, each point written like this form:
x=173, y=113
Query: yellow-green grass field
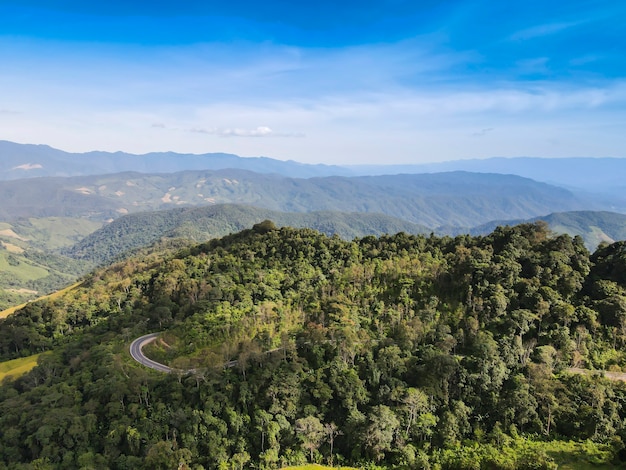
x=16, y=367
x=314, y=466
x=54, y=295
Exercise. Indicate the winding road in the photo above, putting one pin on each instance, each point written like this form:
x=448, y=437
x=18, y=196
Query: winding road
x=138, y=355
x=136, y=352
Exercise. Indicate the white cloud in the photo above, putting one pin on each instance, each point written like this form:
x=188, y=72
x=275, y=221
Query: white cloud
x=260, y=131
x=28, y=166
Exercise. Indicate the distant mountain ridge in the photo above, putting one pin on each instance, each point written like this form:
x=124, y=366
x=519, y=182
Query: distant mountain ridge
x=604, y=175
x=17, y=161
x=201, y=223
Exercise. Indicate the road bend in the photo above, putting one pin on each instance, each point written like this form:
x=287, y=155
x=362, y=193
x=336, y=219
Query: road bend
x=138, y=355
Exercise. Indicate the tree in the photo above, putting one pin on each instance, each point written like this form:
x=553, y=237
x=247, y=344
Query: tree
x=380, y=431
x=416, y=402
x=310, y=432
x=331, y=431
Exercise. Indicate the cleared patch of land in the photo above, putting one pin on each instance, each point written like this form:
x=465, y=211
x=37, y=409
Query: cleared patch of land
x=17, y=367
x=11, y=248
x=22, y=291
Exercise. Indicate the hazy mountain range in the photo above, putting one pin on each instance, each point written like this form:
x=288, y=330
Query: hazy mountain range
x=603, y=175
x=24, y=160
x=27, y=161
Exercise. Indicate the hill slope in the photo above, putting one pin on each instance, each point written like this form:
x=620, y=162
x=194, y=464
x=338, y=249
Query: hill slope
x=30, y=264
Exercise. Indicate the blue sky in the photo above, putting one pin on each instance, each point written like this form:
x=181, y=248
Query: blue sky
x=334, y=82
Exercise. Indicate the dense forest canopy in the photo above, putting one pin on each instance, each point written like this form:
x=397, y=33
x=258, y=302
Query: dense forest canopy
x=399, y=350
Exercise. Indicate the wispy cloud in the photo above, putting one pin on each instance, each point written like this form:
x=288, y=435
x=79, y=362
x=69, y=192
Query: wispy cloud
x=482, y=132
x=542, y=30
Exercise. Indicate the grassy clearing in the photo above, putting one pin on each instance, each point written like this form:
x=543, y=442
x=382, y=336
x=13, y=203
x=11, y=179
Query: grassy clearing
x=314, y=466
x=16, y=367
x=54, y=295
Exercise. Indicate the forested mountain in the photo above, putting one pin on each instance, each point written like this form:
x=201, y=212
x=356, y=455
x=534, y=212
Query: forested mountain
x=203, y=223
x=27, y=161
x=38, y=256
x=458, y=198
x=41, y=255
x=405, y=351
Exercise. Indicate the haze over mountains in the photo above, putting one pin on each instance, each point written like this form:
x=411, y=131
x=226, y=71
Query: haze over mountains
x=456, y=198
x=26, y=161
x=603, y=175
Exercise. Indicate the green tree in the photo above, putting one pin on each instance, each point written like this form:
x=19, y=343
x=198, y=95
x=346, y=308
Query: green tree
x=310, y=432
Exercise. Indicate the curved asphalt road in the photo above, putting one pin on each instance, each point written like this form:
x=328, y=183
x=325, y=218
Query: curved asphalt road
x=137, y=353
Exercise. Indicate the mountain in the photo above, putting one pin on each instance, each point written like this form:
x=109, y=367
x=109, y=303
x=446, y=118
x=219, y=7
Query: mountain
x=455, y=198
x=290, y=346
x=603, y=175
x=203, y=223
x=24, y=161
x=594, y=227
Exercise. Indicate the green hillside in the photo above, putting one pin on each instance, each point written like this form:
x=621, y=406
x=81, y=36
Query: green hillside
x=401, y=351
